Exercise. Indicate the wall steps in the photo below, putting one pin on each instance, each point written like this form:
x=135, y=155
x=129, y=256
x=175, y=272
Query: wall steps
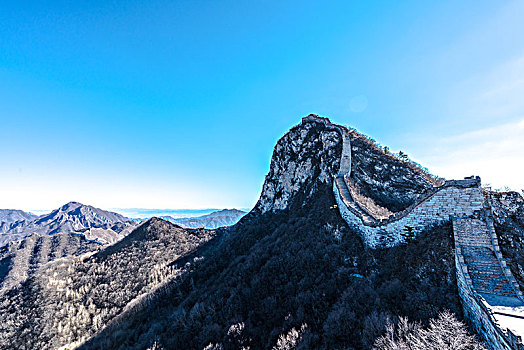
x=485, y=270
x=483, y=276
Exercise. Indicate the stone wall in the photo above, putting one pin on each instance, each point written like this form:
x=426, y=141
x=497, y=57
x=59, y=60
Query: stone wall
x=478, y=313
x=455, y=198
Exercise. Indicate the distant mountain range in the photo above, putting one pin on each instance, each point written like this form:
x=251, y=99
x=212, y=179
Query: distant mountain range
x=225, y=217
x=99, y=225
x=14, y=215
x=28, y=242
x=147, y=213
x=73, y=218
x=10, y=219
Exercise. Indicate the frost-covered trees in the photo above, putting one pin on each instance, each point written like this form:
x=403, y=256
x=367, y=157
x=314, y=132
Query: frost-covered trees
x=443, y=333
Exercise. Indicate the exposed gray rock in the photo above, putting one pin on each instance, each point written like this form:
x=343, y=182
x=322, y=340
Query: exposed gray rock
x=308, y=153
x=311, y=151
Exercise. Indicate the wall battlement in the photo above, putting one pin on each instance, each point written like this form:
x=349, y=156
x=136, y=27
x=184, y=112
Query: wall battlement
x=454, y=199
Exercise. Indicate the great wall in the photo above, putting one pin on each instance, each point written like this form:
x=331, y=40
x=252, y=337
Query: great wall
x=490, y=296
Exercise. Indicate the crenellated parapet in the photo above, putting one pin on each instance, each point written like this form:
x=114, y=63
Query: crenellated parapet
x=454, y=198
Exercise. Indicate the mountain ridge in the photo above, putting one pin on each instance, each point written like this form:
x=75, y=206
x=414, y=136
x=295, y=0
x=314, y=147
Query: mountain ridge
x=73, y=217
x=293, y=263
x=290, y=273
x=216, y=219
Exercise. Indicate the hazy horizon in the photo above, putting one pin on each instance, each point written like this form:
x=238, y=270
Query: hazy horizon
x=141, y=213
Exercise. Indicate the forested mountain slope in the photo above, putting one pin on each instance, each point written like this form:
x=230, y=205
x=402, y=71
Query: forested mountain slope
x=292, y=267
x=21, y=259
x=290, y=275
x=70, y=299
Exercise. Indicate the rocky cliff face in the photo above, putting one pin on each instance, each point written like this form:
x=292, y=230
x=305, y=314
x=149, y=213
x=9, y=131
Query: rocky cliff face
x=307, y=156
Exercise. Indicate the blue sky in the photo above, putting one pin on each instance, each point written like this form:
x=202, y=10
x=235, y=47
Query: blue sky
x=178, y=104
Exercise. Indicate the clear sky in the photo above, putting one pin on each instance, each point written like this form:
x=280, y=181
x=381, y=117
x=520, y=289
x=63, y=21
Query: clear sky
x=178, y=104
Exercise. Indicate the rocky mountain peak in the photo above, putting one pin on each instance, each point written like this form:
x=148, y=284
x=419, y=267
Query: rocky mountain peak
x=306, y=156
x=309, y=156
x=73, y=217
x=82, y=215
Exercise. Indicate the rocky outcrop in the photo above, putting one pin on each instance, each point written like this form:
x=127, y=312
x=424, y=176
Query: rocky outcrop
x=317, y=151
x=307, y=156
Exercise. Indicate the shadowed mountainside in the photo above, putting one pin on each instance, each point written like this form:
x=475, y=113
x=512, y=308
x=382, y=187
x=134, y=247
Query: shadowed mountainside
x=70, y=299
x=290, y=274
x=293, y=264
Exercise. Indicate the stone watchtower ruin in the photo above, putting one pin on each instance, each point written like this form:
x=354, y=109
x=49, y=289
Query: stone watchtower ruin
x=491, y=298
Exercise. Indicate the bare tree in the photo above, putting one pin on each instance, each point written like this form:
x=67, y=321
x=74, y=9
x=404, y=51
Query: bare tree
x=443, y=333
